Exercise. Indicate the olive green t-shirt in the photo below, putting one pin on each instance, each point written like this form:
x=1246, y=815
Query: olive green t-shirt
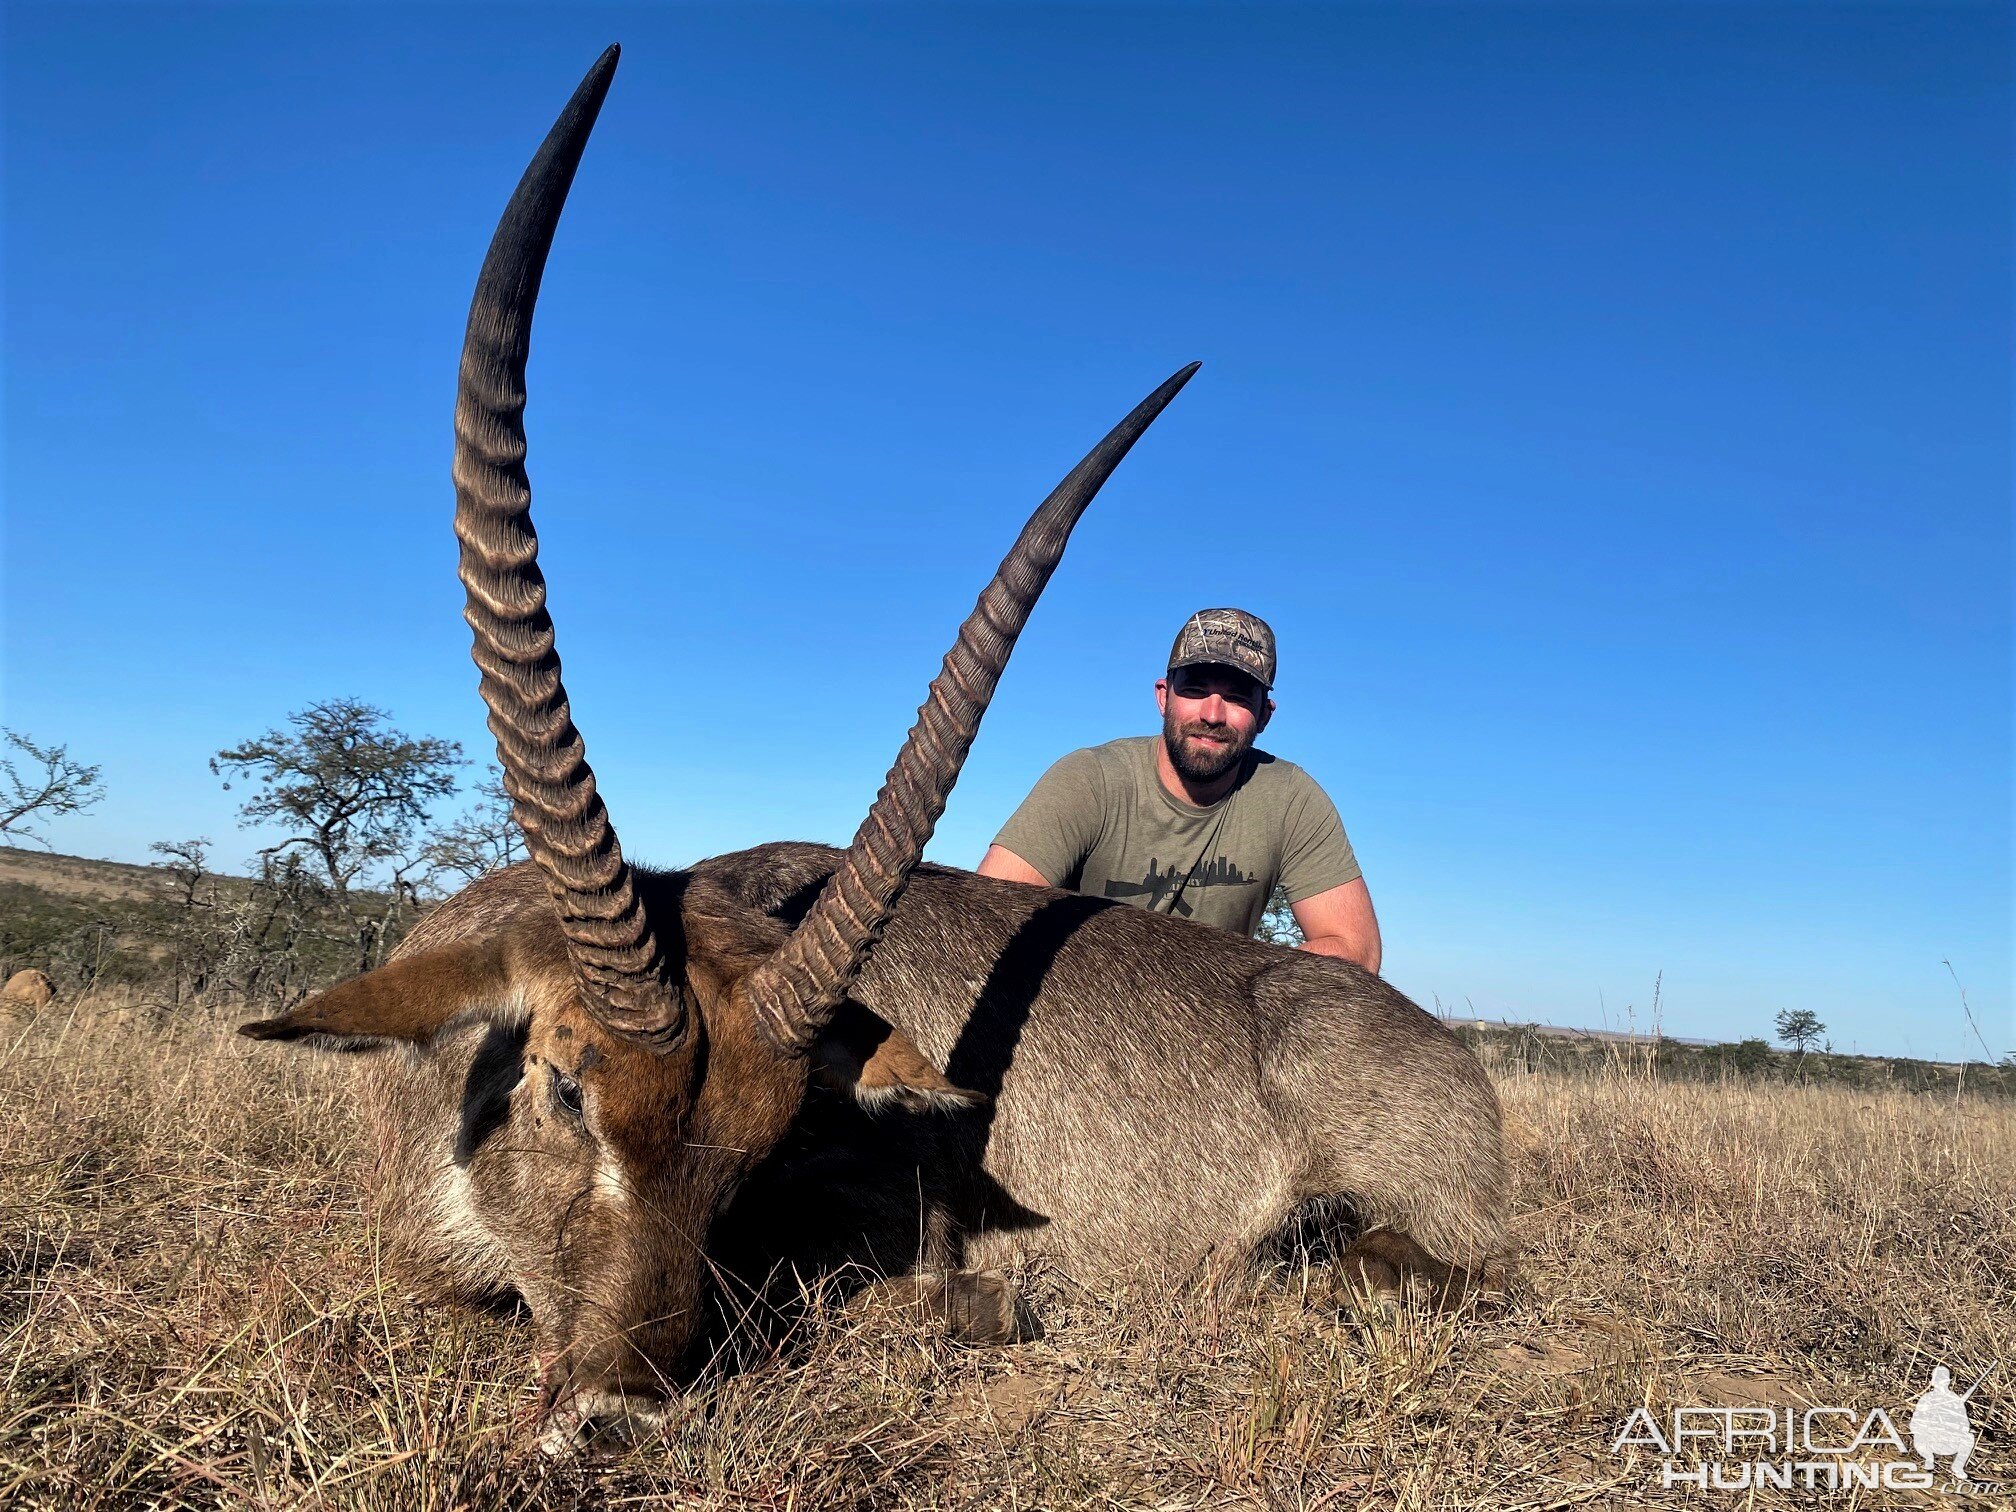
x=1100, y=822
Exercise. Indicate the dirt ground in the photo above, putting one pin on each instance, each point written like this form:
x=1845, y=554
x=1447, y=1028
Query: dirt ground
x=193, y=1316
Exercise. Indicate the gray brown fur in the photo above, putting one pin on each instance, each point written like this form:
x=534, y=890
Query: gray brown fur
x=1160, y=1093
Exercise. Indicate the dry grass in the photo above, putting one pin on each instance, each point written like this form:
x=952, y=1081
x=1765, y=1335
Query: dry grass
x=192, y=1316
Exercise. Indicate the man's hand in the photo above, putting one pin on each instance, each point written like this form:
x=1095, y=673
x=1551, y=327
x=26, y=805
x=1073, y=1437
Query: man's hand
x=1009, y=867
x=1339, y=922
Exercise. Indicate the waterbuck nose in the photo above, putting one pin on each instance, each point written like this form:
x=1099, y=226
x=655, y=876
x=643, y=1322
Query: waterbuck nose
x=614, y=1408
x=603, y=1420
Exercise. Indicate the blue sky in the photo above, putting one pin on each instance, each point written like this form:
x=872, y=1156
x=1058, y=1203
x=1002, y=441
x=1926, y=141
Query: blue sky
x=1609, y=406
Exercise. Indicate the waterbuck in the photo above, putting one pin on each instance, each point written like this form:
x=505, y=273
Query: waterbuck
x=622, y=1094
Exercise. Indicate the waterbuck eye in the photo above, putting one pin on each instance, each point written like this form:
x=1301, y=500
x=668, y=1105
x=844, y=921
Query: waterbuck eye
x=567, y=1092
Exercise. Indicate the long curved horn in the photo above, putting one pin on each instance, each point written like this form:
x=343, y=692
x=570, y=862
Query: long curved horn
x=796, y=990
x=627, y=980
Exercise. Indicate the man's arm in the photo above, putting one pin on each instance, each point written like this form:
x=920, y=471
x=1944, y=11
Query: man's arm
x=1054, y=828
x=1340, y=923
x=1003, y=863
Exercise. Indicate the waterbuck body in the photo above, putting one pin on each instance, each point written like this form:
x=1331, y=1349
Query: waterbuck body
x=629, y=1097
x=1151, y=1094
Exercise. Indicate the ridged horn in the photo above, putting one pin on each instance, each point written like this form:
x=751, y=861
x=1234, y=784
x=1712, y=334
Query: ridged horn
x=796, y=990
x=627, y=980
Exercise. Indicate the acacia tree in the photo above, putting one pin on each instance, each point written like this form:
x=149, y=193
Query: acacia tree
x=1800, y=1027
x=38, y=783
x=350, y=794
x=483, y=838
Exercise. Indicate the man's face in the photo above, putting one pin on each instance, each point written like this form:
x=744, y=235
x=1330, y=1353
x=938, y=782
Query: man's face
x=1210, y=716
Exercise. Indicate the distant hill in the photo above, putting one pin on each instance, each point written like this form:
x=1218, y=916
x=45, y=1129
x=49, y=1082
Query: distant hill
x=1556, y=1031
x=1507, y=1047
x=89, y=923
x=77, y=876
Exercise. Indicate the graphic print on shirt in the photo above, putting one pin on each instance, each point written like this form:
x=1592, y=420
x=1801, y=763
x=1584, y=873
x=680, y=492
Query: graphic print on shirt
x=1159, y=885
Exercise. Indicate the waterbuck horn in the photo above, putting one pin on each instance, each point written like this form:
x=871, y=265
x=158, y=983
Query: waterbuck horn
x=796, y=991
x=629, y=979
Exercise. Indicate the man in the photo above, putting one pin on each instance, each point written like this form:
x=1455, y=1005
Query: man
x=1198, y=823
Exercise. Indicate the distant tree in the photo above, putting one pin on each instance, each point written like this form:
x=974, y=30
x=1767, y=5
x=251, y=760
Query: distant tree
x=350, y=795
x=188, y=925
x=269, y=930
x=186, y=865
x=1277, y=923
x=274, y=935
x=39, y=783
x=1800, y=1028
x=351, y=791
x=483, y=838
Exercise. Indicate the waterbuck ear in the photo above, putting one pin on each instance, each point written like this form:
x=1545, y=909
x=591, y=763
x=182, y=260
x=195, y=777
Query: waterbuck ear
x=865, y=1056
x=412, y=999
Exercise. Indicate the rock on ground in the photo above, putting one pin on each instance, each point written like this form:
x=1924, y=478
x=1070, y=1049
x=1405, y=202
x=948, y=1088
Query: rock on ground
x=26, y=991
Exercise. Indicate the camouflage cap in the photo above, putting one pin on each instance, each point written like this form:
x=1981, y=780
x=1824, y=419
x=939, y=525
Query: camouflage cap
x=1226, y=638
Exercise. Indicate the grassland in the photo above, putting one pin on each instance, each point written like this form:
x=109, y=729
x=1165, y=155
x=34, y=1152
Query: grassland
x=193, y=1316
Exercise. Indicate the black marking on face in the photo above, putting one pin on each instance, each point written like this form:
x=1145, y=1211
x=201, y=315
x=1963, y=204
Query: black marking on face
x=497, y=1067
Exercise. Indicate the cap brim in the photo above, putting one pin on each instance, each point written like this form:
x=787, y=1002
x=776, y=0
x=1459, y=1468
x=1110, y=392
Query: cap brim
x=1265, y=686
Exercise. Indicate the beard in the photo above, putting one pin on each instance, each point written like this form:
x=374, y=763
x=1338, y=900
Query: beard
x=1203, y=763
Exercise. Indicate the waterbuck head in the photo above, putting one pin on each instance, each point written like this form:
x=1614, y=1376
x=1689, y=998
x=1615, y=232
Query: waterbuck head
x=652, y=1039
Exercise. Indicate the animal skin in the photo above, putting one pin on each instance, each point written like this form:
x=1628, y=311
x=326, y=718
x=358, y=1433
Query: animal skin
x=643, y=1102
